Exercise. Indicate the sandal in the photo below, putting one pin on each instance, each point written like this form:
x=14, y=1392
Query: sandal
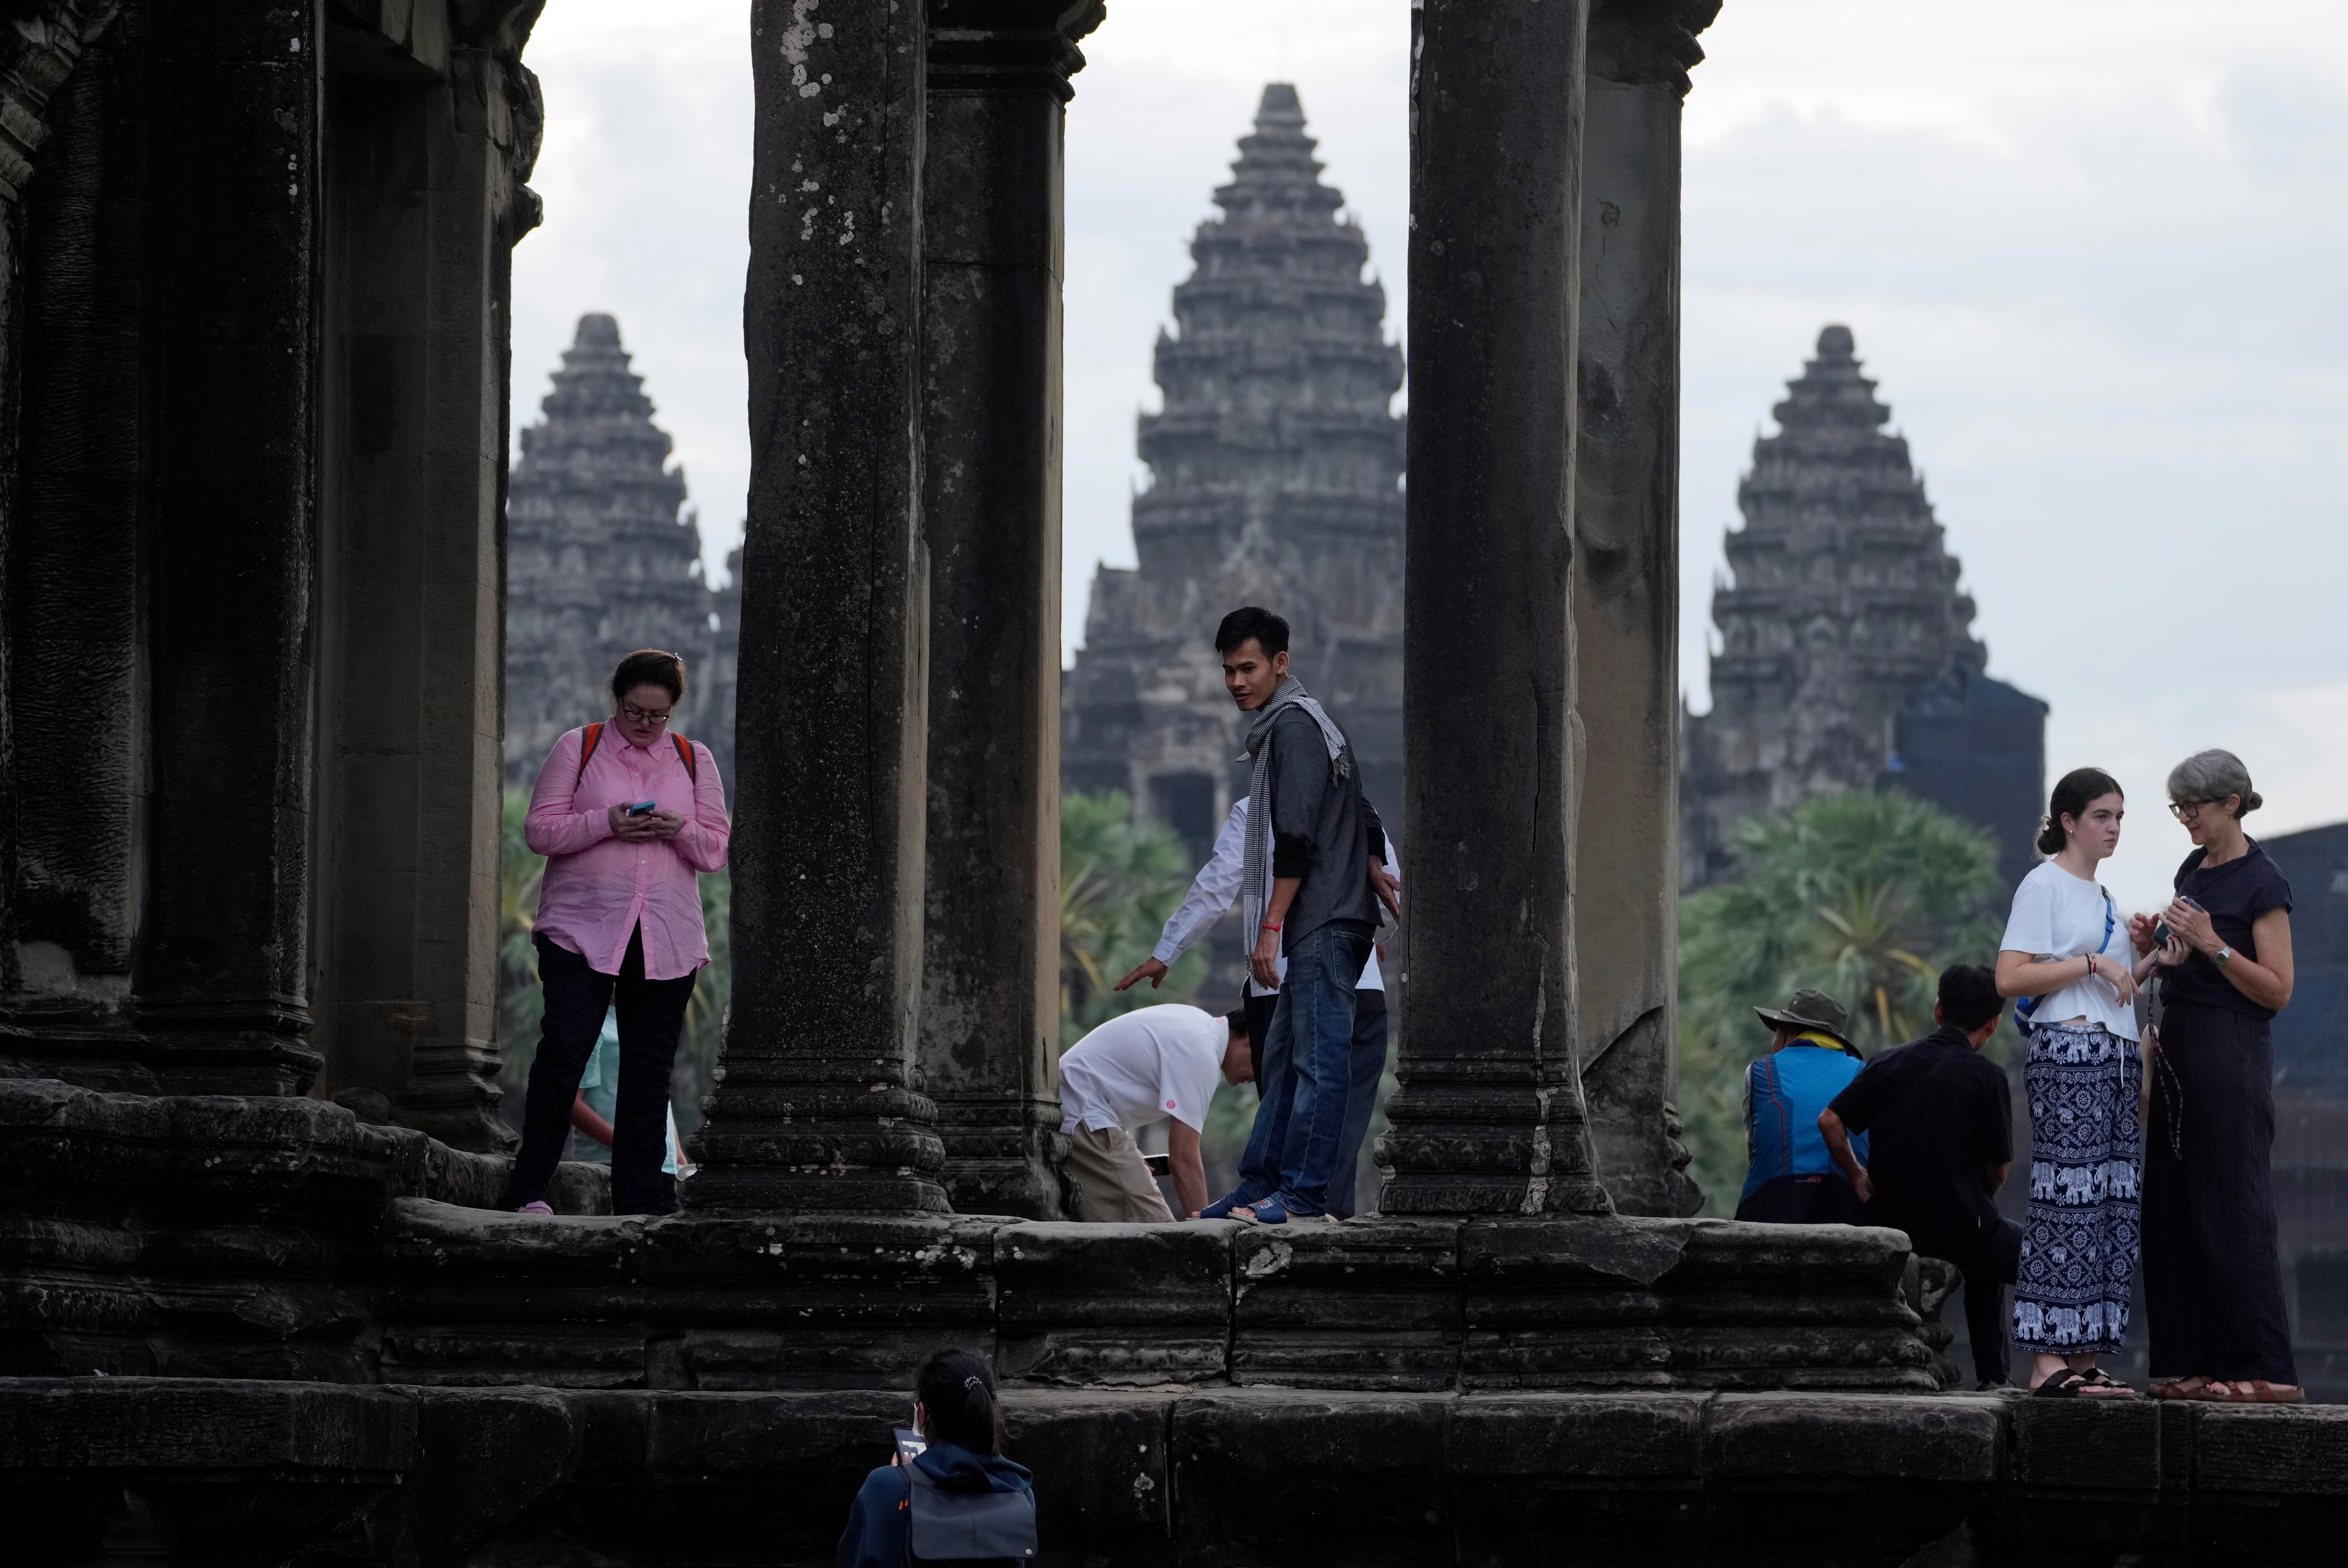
x=2107, y=1385
x=2064, y=1384
x=2258, y=1392
x=2176, y=1388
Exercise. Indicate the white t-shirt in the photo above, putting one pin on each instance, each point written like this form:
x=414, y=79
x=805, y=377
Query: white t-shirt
x=2058, y=916
x=1142, y=1066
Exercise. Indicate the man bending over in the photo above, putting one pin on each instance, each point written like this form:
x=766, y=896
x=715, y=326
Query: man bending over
x=1135, y=1069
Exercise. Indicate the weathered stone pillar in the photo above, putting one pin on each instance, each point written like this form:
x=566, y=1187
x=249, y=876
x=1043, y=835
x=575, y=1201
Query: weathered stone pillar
x=814, y=1108
x=427, y=147
x=993, y=225
x=1626, y=596
x=1489, y=1118
x=220, y=977
x=74, y=676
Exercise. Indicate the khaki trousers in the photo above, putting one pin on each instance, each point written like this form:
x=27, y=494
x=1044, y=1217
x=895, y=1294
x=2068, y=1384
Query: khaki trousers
x=1113, y=1181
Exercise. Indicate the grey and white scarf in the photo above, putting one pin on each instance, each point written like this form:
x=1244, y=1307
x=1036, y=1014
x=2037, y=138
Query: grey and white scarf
x=1255, y=878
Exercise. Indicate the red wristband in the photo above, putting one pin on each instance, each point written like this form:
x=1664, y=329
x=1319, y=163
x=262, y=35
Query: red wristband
x=1270, y=927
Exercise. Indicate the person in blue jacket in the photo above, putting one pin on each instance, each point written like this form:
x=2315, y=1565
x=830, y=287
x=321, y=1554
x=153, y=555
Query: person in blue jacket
x=957, y=1499
x=1791, y=1178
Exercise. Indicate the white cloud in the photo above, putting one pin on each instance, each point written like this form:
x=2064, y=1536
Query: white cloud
x=645, y=174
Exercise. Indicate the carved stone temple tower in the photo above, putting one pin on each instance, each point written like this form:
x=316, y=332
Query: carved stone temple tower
x=1846, y=656
x=1276, y=471
x=598, y=562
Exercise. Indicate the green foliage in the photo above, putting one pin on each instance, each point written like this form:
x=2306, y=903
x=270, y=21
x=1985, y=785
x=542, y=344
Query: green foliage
x=1866, y=897
x=1118, y=883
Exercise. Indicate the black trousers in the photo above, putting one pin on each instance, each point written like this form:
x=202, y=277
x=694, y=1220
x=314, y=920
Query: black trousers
x=2213, y=1273
x=1990, y=1260
x=651, y=1016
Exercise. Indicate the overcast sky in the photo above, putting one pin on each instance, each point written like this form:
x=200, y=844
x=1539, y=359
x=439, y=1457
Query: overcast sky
x=2093, y=252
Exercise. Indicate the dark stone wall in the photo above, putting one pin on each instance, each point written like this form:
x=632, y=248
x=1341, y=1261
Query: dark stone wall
x=2310, y=1150
x=206, y=1471
x=77, y=690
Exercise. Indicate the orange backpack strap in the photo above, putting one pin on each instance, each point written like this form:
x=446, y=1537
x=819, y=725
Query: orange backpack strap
x=589, y=740
x=685, y=751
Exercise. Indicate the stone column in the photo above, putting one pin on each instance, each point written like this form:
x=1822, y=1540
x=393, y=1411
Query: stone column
x=992, y=225
x=814, y=1108
x=220, y=975
x=1626, y=596
x=1489, y=1118
x=426, y=155
x=74, y=679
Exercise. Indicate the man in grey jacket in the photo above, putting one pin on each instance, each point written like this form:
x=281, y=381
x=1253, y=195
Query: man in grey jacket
x=1311, y=832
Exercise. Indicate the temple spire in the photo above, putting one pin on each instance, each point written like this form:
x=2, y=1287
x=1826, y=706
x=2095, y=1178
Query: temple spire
x=1276, y=467
x=601, y=559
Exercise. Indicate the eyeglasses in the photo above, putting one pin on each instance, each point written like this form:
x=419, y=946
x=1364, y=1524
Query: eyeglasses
x=637, y=715
x=2187, y=810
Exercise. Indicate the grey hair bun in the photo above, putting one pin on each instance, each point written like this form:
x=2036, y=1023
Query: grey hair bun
x=2214, y=774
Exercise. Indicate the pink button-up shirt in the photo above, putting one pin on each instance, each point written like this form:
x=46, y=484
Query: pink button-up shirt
x=601, y=888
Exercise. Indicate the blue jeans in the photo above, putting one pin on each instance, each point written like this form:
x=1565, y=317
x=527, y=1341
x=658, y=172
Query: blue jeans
x=1304, y=1077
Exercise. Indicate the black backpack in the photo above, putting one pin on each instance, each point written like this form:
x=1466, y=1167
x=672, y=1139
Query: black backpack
x=967, y=1526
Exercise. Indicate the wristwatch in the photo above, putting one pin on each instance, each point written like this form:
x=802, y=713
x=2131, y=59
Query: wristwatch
x=2224, y=954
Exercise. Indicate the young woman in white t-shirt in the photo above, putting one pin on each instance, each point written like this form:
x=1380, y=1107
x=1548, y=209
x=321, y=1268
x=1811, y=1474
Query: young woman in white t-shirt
x=2067, y=947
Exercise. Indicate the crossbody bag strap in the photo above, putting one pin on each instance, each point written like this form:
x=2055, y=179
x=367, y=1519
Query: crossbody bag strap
x=589, y=739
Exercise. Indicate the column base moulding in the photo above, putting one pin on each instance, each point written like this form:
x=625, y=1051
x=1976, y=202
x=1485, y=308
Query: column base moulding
x=999, y=1164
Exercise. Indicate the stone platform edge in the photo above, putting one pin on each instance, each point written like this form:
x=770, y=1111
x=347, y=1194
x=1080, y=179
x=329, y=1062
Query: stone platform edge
x=717, y=1302
x=421, y=1475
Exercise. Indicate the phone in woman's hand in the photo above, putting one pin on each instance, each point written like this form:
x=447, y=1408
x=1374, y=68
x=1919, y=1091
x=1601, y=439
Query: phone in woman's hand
x=642, y=807
x=2161, y=934
x=908, y=1445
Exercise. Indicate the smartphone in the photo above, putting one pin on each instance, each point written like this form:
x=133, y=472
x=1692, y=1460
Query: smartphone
x=642, y=807
x=909, y=1444
x=2161, y=933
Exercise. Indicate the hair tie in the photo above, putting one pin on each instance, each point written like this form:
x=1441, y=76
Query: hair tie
x=973, y=1382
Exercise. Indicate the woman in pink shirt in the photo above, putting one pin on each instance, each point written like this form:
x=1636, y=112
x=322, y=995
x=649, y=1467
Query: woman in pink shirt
x=628, y=816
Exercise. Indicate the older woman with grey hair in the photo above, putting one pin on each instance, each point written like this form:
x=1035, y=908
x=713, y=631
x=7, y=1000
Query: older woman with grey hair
x=2212, y=1278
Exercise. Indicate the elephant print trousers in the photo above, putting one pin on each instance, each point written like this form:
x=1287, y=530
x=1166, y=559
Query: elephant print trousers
x=2087, y=1158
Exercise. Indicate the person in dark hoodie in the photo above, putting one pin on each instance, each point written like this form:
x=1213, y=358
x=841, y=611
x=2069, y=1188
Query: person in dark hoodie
x=957, y=1500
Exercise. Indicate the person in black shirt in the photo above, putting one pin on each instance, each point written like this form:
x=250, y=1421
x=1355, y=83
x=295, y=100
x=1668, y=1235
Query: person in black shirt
x=1940, y=1119
x=2212, y=1274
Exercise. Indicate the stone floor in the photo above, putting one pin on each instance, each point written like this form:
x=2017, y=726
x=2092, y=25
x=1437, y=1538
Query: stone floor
x=197, y=1471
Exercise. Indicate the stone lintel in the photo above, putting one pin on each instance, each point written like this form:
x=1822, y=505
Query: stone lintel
x=1009, y=46
x=399, y=39
x=1648, y=43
